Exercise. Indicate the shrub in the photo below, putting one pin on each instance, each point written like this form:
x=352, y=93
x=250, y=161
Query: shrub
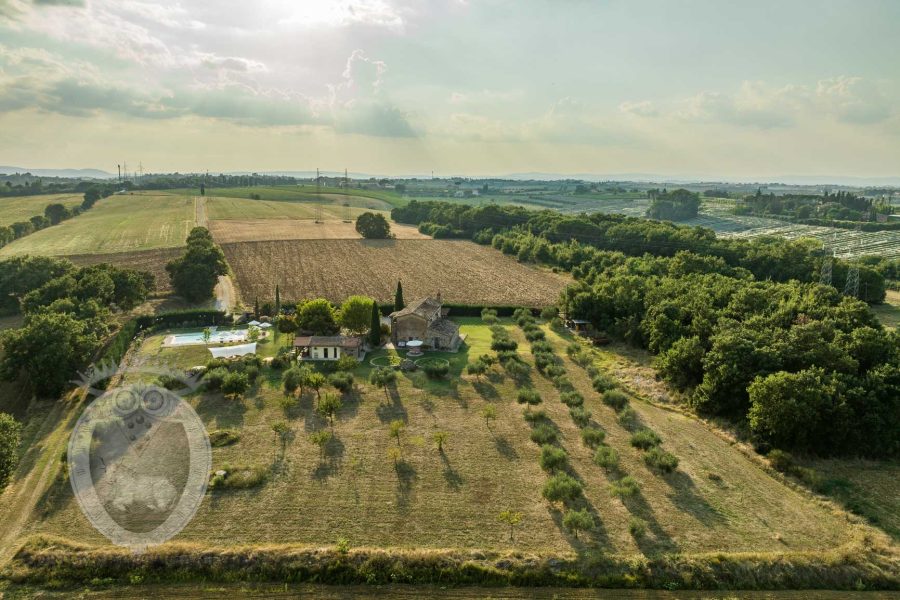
x=781, y=460
x=555, y=370
x=516, y=369
x=615, y=398
x=501, y=344
x=534, y=335
x=346, y=363
x=562, y=383
x=545, y=360
x=543, y=434
x=169, y=382
x=660, y=459
x=627, y=418
x=571, y=398
x=235, y=383
x=528, y=396
x=592, y=371
x=280, y=362
x=561, y=488
x=578, y=520
x=602, y=383
x=291, y=380
x=239, y=477
x=535, y=416
x=606, y=458
x=645, y=439
x=436, y=369
x=557, y=323
x=580, y=415
x=637, y=527
x=214, y=378
x=592, y=436
x=583, y=359
x=505, y=356
x=477, y=368
x=549, y=313
x=223, y=437
x=625, y=487
x=341, y=381
x=542, y=346
x=553, y=458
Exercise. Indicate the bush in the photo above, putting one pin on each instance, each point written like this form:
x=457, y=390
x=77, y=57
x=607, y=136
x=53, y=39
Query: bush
x=542, y=347
x=528, y=396
x=781, y=460
x=627, y=418
x=561, y=488
x=235, y=383
x=557, y=324
x=545, y=360
x=580, y=415
x=223, y=437
x=592, y=436
x=553, y=458
x=555, y=370
x=637, y=527
x=239, y=477
x=549, y=312
x=603, y=383
x=280, y=362
x=169, y=382
x=516, y=369
x=341, y=381
x=213, y=378
x=535, y=416
x=625, y=487
x=660, y=459
x=616, y=399
x=571, y=399
x=346, y=363
x=505, y=356
x=606, y=458
x=504, y=344
x=436, y=369
x=578, y=520
x=543, y=434
x=534, y=335
x=645, y=439
x=562, y=383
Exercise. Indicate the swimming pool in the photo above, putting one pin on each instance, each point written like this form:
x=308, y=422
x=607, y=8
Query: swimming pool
x=216, y=337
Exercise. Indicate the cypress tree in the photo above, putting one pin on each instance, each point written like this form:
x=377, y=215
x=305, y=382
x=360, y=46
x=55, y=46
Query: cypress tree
x=398, y=297
x=375, y=326
x=256, y=308
x=277, y=300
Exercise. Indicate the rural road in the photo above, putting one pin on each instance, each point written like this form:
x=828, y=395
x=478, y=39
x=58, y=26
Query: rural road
x=201, y=219
x=226, y=296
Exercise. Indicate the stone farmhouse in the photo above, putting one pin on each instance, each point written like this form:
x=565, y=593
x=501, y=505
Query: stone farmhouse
x=425, y=319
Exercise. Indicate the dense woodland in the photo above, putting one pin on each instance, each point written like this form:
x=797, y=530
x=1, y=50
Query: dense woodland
x=741, y=327
x=838, y=206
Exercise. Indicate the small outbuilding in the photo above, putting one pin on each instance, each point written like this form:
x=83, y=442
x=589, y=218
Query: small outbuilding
x=331, y=347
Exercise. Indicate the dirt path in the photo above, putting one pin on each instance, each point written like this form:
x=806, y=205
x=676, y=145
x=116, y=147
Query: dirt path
x=21, y=497
x=201, y=217
x=226, y=295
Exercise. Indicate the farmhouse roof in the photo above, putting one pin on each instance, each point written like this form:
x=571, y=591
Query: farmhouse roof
x=424, y=307
x=445, y=326
x=340, y=341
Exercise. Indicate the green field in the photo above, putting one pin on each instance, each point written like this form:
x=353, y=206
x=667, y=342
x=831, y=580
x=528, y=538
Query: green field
x=889, y=312
x=225, y=208
x=452, y=499
x=119, y=223
x=22, y=208
x=360, y=198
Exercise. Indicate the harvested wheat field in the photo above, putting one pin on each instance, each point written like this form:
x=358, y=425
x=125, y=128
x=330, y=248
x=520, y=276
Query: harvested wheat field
x=251, y=230
x=462, y=271
x=152, y=261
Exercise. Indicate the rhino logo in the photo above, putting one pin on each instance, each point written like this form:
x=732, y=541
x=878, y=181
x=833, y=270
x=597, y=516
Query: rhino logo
x=139, y=460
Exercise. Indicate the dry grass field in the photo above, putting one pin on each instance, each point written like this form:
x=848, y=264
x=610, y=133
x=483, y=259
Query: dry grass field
x=120, y=223
x=152, y=261
x=463, y=271
x=22, y=208
x=251, y=230
x=452, y=499
x=889, y=312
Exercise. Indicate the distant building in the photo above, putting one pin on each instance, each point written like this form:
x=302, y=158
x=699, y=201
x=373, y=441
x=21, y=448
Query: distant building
x=332, y=347
x=425, y=319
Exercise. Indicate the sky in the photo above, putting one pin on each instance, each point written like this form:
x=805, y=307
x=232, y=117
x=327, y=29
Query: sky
x=684, y=88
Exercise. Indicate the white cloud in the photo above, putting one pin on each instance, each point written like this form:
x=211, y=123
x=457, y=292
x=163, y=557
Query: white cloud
x=644, y=108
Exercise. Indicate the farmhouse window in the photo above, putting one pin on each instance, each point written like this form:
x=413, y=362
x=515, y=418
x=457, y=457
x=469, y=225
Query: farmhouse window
x=326, y=352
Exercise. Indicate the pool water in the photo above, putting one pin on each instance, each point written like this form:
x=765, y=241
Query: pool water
x=217, y=337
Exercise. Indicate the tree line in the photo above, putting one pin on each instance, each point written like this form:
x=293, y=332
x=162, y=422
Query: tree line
x=740, y=326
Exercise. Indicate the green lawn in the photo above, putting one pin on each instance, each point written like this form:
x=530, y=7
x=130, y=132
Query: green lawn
x=119, y=223
x=22, y=208
x=889, y=312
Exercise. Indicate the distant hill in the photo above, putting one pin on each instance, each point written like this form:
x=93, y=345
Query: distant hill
x=71, y=173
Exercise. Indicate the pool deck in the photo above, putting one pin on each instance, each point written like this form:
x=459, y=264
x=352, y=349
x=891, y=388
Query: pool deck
x=239, y=337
